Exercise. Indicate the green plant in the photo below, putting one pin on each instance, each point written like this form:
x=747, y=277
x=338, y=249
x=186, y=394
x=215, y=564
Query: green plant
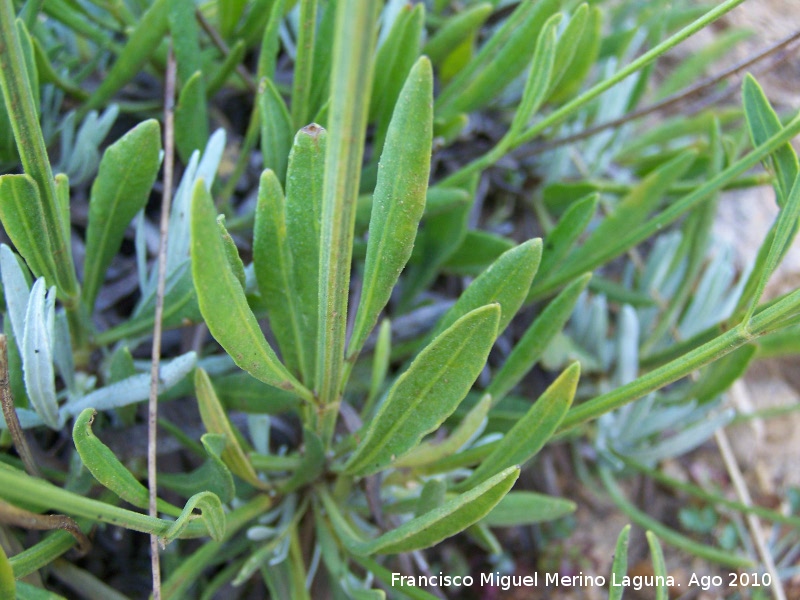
x=395, y=446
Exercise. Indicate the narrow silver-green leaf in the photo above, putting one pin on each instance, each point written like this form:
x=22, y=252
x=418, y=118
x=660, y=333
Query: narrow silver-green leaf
x=107, y=469
x=437, y=524
x=224, y=305
x=527, y=508
x=191, y=121
x=534, y=341
x=216, y=420
x=540, y=76
x=467, y=430
x=498, y=62
x=120, y=190
x=506, y=282
x=455, y=30
x=274, y=272
x=399, y=199
x=141, y=45
x=304, y=189
x=764, y=123
x=633, y=210
x=659, y=566
x=393, y=63
x=567, y=44
x=428, y=392
x=783, y=232
x=450, y=518
x=587, y=48
x=563, y=236
x=619, y=567
x=533, y=430
x=276, y=128
x=304, y=63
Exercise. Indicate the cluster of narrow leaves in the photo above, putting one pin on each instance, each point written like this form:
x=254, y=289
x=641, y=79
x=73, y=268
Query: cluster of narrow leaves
x=399, y=445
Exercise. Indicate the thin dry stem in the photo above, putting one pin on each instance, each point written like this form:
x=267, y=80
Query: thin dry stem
x=152, y=413
x=752, y=520
x=10, y=414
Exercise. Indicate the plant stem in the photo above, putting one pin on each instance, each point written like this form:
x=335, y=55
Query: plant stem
x=668, y=535
x=350, y=84
x=570, y=108
x=152, y=406
x=763, y=322
x=18, y=487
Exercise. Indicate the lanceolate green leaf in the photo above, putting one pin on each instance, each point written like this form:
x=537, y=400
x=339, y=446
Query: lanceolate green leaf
x=534, y=341
x=469, y=428
x=526, y=508
x=276, y=128
x=630, y=214
x=216, y=421
x=499, y=61
x=123, y=184
x=540, y=76
x=533, y=430
x=568, y=43
x=399, y=199
x=26, y=224
x=393, y=63
x=107, y=469
x=428, y=392
x=619, y=567
x=191, y=122
x=424, y=531
x=274, y=273
x=457, y=29
x=224, y=305
x=561, y=239
x=22, y=110
x=506, y=282
x=304, y=63
x=142, y=43
x=763, y=123
x=304, y=189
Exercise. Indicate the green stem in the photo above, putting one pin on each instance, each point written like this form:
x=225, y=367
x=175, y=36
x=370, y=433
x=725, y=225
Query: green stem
x=351, y=79
x=711, y=497
x=22, y=111
x=568, y=109
x=665, y=533
x=763, y=322
x=668, y=215
x=20, y=488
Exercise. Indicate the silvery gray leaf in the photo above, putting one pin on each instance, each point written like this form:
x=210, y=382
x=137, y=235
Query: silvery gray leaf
x=627, y=346
x=685, y=441
x=62, y=352
x=37, y=359
x=16, y=289
x=140, y=243
x=133, y=389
